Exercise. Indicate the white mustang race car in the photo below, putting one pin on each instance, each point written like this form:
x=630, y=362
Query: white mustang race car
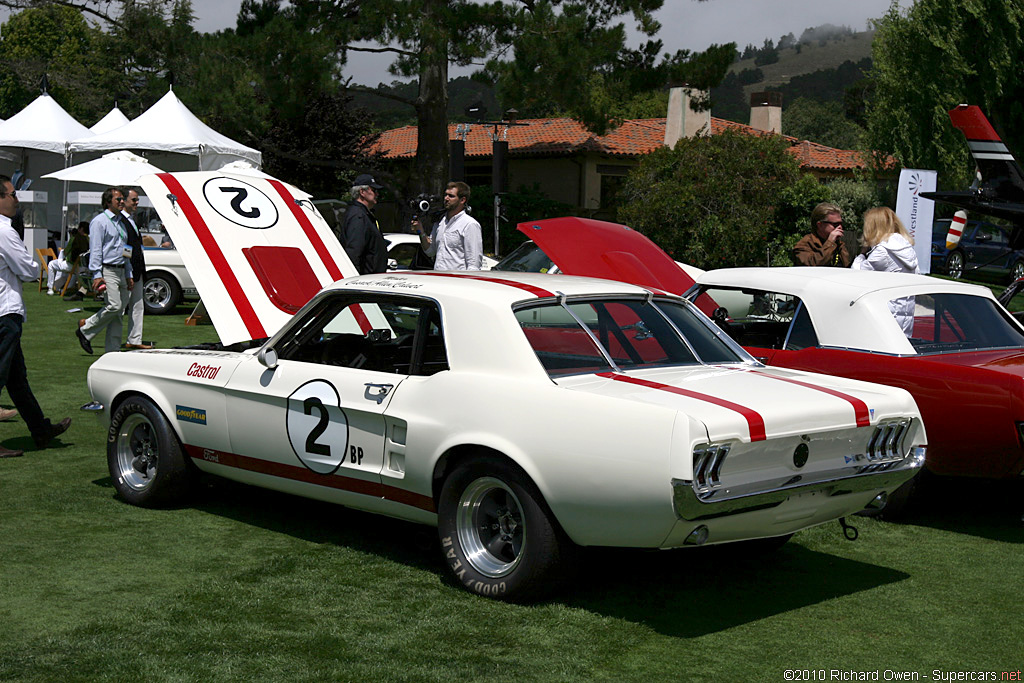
x=522, y=414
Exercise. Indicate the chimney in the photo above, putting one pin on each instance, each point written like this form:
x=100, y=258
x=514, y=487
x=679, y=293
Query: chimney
x=682, y=121
x=766, y=111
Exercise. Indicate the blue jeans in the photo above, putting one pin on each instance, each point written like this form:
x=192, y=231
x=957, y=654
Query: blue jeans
x=14, y=376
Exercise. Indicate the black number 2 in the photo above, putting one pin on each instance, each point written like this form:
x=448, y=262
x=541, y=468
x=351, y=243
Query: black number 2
x=311, y=445
x=240, y=194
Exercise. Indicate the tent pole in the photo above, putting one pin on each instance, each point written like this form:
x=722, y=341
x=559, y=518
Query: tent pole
x=64, y=204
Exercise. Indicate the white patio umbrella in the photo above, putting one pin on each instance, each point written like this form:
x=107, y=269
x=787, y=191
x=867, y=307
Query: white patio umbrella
x=242, y=167
x=116, y=168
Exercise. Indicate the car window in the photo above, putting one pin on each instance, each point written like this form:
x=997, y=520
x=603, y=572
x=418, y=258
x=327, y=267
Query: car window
x=399, y=335
x=764, y=319
x=990, y=234
x=526, y=258
x=404, y=254
x=945, y=323
x=631, y=333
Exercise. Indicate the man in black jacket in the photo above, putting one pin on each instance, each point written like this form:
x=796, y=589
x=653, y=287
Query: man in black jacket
x=360, y=233
x=136, y=306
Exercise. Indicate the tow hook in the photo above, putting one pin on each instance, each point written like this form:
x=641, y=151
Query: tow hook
x=849, y=531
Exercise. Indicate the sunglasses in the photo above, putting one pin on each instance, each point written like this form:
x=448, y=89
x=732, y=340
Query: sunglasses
x=834, y=224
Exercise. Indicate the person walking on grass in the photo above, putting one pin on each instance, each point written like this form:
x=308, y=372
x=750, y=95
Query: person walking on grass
x=16, y=266
x=110, y=260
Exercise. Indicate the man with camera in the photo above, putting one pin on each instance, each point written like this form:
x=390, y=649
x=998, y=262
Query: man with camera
x=456, y=242
x=360, y=232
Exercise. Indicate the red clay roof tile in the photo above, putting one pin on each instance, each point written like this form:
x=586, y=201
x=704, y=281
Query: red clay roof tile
x=634, y=137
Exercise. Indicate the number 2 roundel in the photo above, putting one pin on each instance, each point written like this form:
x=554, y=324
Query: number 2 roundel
x=241, y=203
x=317, y=426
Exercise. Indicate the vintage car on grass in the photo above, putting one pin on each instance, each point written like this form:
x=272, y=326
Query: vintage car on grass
x=962, y=359
x=167, y=282
x=524, y=415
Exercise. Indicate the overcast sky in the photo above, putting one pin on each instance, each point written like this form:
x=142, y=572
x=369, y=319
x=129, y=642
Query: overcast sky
x=686, y=24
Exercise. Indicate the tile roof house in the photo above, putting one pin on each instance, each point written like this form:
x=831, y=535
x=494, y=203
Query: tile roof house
x=579, y=168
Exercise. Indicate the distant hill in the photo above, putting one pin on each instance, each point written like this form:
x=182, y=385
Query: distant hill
x=820, y=65
x=820, y=69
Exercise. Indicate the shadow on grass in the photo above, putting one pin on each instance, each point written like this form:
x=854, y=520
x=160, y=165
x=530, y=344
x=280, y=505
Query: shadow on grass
x=986, y=508
x=312, y=520
x=683, y=593
x=693, y=592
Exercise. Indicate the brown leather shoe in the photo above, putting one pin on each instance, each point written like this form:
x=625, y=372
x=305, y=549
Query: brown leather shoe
x=7, y=453
x=54, y=430
x=142, y=346
x=6, y=414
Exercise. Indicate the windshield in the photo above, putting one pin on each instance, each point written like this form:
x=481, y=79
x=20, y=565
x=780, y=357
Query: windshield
x=945, y=323
x=526, y=258
x=622, y=334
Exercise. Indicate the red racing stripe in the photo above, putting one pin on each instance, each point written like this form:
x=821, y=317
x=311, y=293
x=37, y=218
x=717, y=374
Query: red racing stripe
x=755, y=422
x=360, y=315
x=220, y=264
x=536, y=291
x=860, y=408
x=307, y=227
x=296, y=473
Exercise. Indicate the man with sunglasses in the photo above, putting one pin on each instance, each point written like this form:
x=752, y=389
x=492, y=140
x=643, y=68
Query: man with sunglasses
x=110, y=261
x=17, y=266
x=823, y=246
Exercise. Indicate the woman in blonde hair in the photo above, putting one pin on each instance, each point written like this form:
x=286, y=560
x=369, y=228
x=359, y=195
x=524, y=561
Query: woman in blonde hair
x=890, y=249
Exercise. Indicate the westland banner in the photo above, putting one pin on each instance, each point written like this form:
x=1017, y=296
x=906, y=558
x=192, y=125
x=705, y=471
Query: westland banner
x=916, y=212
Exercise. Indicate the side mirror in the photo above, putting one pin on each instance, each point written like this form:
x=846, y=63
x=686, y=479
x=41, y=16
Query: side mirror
x=267, y=357
x=392, y=264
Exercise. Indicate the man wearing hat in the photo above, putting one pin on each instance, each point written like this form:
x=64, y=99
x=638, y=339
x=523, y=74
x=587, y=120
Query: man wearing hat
x=360, y=233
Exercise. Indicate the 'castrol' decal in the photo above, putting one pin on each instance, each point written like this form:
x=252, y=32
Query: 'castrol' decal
x=203, y=371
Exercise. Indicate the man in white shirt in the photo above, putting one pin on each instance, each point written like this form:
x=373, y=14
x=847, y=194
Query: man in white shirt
x=456, y=242
x=16, y=266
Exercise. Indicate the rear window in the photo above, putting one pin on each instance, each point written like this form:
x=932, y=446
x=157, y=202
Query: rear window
x=602, y=335
x=946, y=323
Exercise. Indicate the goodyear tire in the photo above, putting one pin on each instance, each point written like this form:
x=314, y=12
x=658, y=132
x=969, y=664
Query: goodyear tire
x=496, y=533
x=144, y=455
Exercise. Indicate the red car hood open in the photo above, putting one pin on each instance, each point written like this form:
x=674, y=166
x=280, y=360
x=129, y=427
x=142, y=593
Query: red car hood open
x=583, y=246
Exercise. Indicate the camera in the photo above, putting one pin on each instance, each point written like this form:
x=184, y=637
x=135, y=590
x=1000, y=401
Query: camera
x=425, y=204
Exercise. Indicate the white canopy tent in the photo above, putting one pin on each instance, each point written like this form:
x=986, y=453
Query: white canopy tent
x=39, y=136
x=169, y=127
x=114, y=119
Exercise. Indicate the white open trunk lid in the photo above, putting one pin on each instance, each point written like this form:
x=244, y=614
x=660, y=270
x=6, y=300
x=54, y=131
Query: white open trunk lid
x=256, y=248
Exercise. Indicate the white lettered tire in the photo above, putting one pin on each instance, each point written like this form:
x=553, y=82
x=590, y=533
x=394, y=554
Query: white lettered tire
x=144, y=455
x=497, y=535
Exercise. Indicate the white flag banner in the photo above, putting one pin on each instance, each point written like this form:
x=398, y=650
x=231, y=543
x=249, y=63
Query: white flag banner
x=916, y=212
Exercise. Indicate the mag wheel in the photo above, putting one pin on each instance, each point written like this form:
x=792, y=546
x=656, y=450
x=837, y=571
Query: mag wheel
x=144, y=455
x=497, y=535
x=1017, y=272
x=160, y=293
x=955, y=265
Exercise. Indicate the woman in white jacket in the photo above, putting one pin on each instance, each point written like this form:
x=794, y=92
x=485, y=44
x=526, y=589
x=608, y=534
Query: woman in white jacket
x=890, y=249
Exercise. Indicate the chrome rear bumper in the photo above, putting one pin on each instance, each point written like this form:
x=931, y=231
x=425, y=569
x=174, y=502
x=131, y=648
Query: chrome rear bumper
x=691, y=506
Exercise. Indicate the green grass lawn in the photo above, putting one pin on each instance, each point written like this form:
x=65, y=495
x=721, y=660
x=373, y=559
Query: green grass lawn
x=244, y=584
